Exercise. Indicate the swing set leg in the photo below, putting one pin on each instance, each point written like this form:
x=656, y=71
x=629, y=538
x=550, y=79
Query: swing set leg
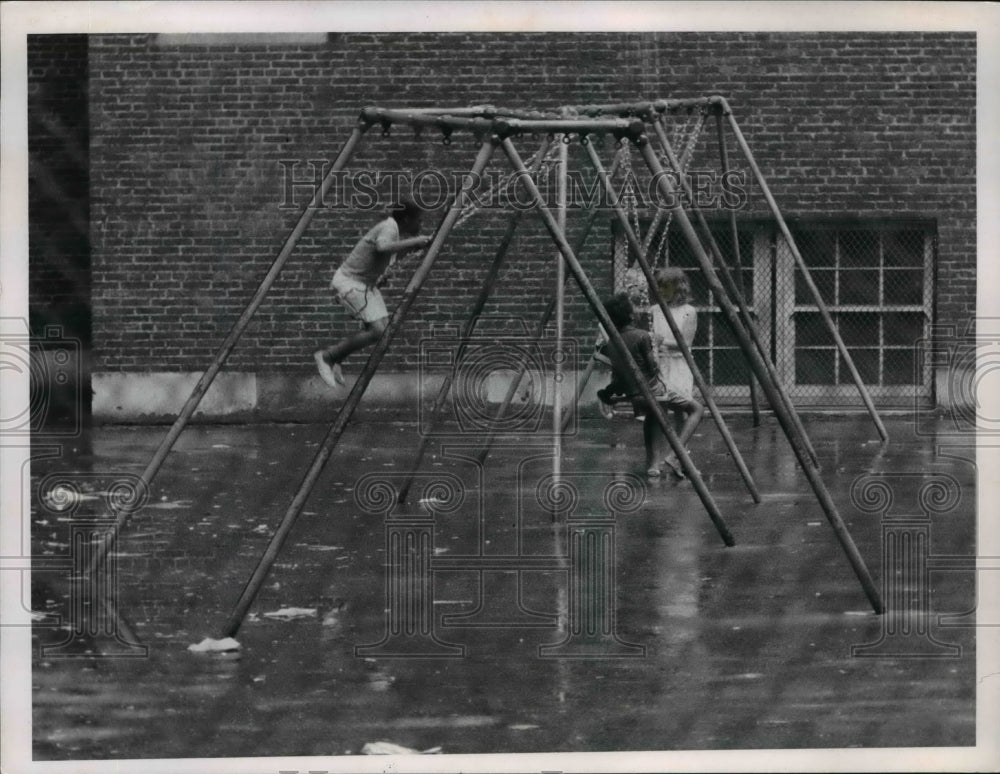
x=734, y=236
x=806, y=275
x=574, y=407
x=225, y=349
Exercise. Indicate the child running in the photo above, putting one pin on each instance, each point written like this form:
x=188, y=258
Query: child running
x=674, y=371
x=640, y=346
x=356, y=283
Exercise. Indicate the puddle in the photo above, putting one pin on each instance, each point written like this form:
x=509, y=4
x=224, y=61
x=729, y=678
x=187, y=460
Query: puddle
x=747, y=647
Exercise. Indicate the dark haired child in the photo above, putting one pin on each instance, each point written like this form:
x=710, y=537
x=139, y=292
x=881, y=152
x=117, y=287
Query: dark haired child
x=640, y=345
x=356, y=284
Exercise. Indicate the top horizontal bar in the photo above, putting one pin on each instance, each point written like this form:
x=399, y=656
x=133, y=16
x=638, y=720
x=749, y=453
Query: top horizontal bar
x=649, y=108
x=502, y=125
x=448, y=116
x=488, y=111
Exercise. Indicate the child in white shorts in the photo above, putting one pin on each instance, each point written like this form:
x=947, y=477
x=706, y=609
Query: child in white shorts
x=356, y=282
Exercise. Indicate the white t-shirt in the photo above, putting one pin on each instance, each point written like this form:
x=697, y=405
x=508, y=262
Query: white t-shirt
x=370, y=257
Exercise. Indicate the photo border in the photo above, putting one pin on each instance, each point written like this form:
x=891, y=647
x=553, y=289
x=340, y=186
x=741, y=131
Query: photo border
x=22, y=18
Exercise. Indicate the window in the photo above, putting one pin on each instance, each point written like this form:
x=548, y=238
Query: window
x=876, y=284
x=875, y=279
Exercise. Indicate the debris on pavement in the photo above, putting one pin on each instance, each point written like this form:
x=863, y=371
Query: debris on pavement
x=209, y=645
x=291, y=613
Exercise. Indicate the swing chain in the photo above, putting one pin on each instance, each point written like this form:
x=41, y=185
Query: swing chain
x=629, y=202
x=628, y=193
x=472, y=208
x=693, y=128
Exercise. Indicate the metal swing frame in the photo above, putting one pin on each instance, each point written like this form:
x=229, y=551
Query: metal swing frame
x=496, y=128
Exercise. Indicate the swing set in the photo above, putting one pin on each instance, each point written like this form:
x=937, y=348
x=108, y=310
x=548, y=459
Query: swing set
x=641, y=127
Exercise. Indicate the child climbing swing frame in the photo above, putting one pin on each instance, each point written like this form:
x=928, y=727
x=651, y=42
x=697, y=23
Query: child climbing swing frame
x=630, y=125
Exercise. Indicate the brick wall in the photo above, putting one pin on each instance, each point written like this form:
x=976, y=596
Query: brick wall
x=189, y=146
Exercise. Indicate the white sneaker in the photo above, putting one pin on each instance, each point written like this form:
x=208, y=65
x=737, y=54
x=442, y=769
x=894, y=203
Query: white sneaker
x=338, y=374
x=326, y=372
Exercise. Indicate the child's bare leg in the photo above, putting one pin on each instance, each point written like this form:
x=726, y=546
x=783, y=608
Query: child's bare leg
x=650, y=430
x=687, y=414
x=661, y=445
x=678, y=415
x=359, y=340
x=655, y=441
x=695, y=411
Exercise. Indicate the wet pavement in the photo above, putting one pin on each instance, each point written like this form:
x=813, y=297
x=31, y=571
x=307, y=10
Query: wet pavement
x=696, y=646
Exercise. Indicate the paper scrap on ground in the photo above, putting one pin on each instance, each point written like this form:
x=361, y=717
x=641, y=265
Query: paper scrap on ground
x=170, y=505
x=208, y=645
x=289, y=613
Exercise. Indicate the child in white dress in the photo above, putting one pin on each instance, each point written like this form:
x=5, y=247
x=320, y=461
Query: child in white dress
x=674, y=371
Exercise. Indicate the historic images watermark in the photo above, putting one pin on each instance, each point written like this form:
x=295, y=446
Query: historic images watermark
x=52, y=363
x=91, y=504
x=587, y=620
x=906, y=505
x=959, y=361
x=74, y=511
x=962, y=363
x=302, y=181
x=499, y=381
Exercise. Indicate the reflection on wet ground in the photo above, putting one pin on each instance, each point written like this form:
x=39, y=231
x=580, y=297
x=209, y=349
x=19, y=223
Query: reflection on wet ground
x=721, y=648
